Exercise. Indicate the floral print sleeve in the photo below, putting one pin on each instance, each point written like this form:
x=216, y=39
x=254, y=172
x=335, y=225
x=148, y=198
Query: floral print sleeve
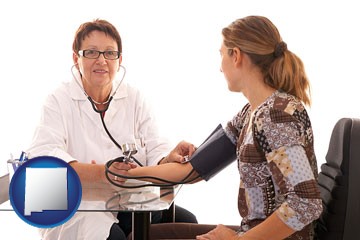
x=282, y=131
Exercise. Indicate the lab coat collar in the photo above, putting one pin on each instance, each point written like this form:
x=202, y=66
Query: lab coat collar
x=77, y=93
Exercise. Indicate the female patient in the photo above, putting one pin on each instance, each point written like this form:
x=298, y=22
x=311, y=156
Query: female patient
x=278, y=195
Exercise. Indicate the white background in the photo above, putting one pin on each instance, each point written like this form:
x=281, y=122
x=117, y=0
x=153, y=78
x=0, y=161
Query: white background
x=171, y=51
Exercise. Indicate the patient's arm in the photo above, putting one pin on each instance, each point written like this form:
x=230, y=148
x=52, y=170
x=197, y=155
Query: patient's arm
x=174, y=172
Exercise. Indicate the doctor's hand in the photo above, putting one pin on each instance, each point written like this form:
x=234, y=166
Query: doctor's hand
x=120, y=168
x=180, y=153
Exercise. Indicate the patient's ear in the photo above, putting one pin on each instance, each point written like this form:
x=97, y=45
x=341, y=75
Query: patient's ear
x=238, y=55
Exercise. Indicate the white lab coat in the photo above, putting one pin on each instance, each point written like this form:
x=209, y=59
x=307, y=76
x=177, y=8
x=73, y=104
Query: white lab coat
x=71, y=130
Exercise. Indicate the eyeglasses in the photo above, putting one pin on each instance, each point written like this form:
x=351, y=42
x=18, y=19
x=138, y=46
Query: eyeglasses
x=94, y=54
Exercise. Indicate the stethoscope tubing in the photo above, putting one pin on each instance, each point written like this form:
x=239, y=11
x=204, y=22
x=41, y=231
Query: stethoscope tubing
x=121, y=159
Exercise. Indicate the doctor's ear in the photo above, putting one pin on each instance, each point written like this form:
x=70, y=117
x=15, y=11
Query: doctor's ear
x=120, y=60
x=75, y=60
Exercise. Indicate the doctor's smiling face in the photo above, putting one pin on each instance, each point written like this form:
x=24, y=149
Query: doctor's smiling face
x=98, y=62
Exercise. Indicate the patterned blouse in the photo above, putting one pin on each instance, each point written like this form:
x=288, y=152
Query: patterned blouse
x=277, y=164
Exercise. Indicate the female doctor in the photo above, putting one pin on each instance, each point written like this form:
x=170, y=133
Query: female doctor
x=76, y=118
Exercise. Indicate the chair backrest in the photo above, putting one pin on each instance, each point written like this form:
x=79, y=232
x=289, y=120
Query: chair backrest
x=4, y=188
x=339, y=183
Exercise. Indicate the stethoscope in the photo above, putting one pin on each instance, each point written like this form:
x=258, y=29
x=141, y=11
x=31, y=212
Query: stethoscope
x=106, y=104
x=93, y=102
x=128, y=157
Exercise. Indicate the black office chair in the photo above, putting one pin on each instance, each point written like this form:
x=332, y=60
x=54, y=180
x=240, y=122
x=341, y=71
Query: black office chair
x=339, y=182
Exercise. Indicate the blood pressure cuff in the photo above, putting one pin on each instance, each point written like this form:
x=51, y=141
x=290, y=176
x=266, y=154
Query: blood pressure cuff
x=214, y=154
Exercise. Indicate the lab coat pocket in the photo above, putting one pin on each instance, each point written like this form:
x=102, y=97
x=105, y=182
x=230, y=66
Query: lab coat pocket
x=141, y=151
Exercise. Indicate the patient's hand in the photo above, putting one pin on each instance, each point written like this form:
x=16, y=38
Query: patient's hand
x=220, y=233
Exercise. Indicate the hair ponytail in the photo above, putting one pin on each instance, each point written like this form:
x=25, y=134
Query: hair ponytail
x=287, y=73
x=258, y=37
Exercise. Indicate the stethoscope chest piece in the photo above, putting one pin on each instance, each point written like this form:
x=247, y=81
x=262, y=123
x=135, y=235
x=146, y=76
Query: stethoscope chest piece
x=129, y=148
